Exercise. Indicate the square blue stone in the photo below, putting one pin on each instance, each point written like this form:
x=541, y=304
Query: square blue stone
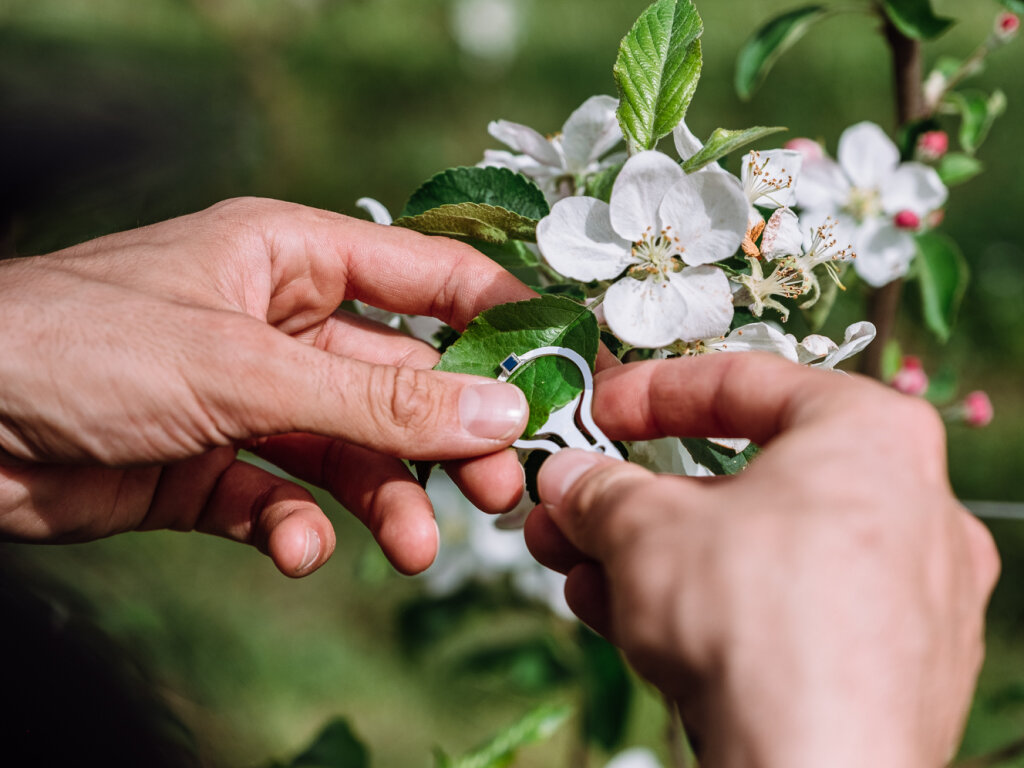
x=510, y=363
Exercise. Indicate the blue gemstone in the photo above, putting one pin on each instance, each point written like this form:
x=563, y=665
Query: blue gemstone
x=510, y=363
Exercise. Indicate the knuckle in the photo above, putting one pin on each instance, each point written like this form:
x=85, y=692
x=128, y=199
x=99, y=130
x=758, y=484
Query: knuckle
x=403, y=397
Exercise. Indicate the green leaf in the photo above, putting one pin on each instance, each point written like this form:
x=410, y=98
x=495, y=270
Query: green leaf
x=657, y=70
x=336, y=746
x=607, y=692
x=538, y=725
x=497, y=187
x=892, y=359
x=600, y=184
x=956, y=168
x=719, y=460
x=916, y=18
x=475, y=220
x=723, y=142
x=511, y=255
x=764, y=48
x=978, y=112
x=942, y=275
x=1015, y=6
x=549, y=382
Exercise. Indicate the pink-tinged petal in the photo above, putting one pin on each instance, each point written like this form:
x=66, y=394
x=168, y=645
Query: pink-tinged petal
x=914, y=187
x=758, y=337
x=810, y=149
x=822, y=185
x=577, y=240
x=782, y=236
x=638, y=192
x=867, y=155
x=687, y=145
x=708, y=215
x=708, y=298
x=645, y=313
x=884, y=253
x=524, y=139
x=377, y=211
x=857, y=338
x=590, y=131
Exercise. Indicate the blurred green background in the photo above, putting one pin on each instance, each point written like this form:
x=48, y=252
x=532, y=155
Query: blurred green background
x=118, y=113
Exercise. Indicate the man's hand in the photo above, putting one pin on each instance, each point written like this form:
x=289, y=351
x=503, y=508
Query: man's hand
x=132, y=366
x=824, y=607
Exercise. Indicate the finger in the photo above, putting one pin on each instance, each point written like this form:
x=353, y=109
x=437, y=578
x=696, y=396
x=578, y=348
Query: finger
x=586, y=592
x=984, y=556
x=601, y=504
x=725, y=395
x=548, y=544
x=361, y=338
x=257, y=381
x=275, y=515
x=493, y=483
x=377, y=489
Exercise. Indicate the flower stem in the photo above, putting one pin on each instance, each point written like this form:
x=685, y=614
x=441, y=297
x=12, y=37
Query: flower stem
x=884, y=302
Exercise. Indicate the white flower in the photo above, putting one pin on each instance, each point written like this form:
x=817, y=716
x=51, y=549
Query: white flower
x=877, y=201
x=556, y=163
x=821, y=352
x=638, y=757
x=655, y=238
x=488, y=29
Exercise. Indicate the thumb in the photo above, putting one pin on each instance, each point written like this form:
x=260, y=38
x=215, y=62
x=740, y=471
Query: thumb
x=401, y=411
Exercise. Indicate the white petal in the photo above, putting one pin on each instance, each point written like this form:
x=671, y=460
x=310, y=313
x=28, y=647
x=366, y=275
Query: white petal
x=867, y=155
x=884, y=252
x=687, y=145
x=635, y=758
x=577, y=240
x=638, y=191
x=645, y=313
x=524, y=139
x=708, y=298
x=423, y=328
x=734, y=444
x=782, y=236
x=664, y=456
x=782, y=166
x=758, y=337
x=857, y=338
x=590, y=131
x=822, y=185
x=914, y=187
x=377, y=211
x=814, y=347
x=708, y=213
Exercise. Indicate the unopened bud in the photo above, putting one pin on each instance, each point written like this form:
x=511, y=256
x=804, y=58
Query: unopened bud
x=977, y=409
x=907, y=220
x=809, y=148
x=933, y=145
x=1007, y=26
x=910, y=379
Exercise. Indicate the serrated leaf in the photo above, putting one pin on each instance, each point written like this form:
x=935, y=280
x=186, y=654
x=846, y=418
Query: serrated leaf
x=723, y=142
x=487, y=223
x=538, y=725
x=498, y=187
x=916, y=18
x=549, y=382
x=956, y=168
x=657, y=71
x=767, y=44
x=942, y=276
x=719, y=460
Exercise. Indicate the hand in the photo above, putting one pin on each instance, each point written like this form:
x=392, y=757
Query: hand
x=133, y=365
x=823, y=607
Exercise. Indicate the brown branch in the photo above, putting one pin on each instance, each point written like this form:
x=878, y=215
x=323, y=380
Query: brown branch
x=908, y=72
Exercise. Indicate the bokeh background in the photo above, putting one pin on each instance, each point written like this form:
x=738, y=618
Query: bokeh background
x=119, y=113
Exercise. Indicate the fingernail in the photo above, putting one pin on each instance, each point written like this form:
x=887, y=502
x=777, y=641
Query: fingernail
x=559, y=473
x=495, y=411
x=312, y=553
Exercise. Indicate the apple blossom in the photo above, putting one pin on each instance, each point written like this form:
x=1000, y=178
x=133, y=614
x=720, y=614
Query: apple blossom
x=870, y=194
x=1007, y=27
x=654, y=240
x=910, y=379
x=932, y=145
x=977, y=409
x=557, y=163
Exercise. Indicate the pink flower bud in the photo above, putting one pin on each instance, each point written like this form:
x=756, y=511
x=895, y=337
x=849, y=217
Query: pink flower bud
x=907, y=220
x=978, y=411
x=932, y=145
x=809, y=148
x=1007, y=26
x=910, y=379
